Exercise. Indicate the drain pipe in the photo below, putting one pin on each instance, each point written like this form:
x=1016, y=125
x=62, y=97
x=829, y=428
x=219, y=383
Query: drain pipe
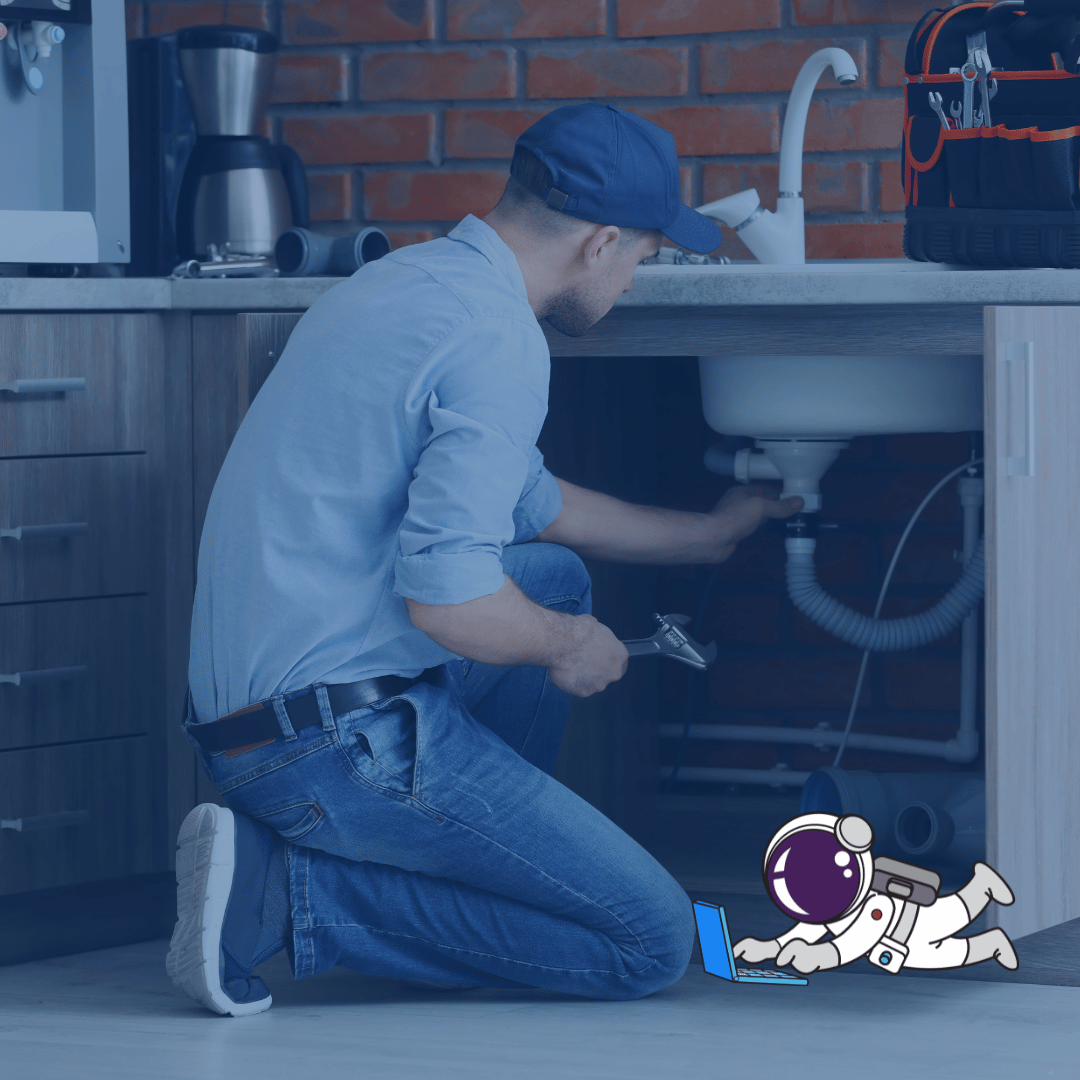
x=964, y=747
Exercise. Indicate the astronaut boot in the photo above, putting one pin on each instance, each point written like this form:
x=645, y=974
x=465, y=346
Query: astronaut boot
x=993, y=945
x=986, y=884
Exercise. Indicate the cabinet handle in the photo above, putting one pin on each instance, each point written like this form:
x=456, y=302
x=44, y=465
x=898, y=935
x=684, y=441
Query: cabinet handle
x=46, y=821
x=39, y=532
x=44, y=675
x=43, y=386
x=1020, y=371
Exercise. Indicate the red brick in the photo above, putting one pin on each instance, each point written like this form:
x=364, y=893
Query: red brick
x=890, y=61
x=925, y=683
x=932, y=447
x=838, y=12
x=134, y=19
x=807, y=682
x=431, y=196
x=483, y=20
x=486, y=133
x=432, y=76
x=686, y=185
x=328, y=22
x=826, y=188
x=858, y=240
x=310, y=78
x=863, y=125
x=743, y=620
x=924, y=560
x=714, y=129
x=648, y=18
x=330, y=196
x=890, y=187
x=572, y=73
x=168, y=18
x=400, y=238
x=758, y=66
x=353, y=140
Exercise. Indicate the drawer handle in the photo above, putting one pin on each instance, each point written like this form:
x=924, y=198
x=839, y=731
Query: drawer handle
x=46, y=821
x=43, y=386
x=44, y=675
x=39, y=532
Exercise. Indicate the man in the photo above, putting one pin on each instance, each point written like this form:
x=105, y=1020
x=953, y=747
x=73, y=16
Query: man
x=390, y=618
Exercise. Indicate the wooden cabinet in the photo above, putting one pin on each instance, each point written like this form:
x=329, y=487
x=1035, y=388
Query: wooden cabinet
x=1032, y=401
x=83, y=473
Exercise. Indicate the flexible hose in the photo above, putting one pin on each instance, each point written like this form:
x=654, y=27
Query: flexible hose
x=883, y=635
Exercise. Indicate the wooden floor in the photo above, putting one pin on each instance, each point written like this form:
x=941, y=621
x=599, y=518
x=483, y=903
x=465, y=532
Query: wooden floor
x=114, y=1015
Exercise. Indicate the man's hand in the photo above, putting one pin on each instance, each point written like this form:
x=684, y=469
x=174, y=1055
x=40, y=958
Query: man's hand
x=596, y=659
x=806, y=959
x=754, y=951
x=742, y=509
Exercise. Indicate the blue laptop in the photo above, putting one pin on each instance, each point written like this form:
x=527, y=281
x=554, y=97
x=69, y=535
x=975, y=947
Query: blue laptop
x=718, y=958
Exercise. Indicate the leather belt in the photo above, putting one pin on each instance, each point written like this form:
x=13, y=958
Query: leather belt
x=258, y=725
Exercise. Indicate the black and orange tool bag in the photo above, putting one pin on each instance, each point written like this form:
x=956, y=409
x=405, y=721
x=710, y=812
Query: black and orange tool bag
x=991, y=150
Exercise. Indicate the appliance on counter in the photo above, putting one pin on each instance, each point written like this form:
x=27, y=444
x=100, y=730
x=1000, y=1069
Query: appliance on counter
x=206, y=185
x=64, y=165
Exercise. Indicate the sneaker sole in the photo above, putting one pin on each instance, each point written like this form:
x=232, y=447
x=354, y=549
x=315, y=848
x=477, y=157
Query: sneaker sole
x=205, y=858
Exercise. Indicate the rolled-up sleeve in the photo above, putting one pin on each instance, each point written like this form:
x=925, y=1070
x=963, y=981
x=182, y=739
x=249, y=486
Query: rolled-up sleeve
x=475, y=406
x=540, y=503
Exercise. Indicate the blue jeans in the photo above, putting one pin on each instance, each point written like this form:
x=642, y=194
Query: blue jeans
x=427, y=838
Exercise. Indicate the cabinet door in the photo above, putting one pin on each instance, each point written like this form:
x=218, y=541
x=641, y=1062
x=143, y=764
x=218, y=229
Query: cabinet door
x=115, y=357
x=1032, y=389
x=76, y=526
x=75, y=813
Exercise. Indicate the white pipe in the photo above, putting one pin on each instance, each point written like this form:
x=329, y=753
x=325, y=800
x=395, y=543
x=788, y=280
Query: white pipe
x=899, y=744
x=772, y=777
x=967, y=739
x=791, y=140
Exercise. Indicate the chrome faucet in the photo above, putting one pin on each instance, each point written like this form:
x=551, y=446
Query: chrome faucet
x=780, y=237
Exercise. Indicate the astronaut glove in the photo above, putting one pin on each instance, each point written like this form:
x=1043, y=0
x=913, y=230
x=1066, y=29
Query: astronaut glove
x=753, y=951
x=806, y=958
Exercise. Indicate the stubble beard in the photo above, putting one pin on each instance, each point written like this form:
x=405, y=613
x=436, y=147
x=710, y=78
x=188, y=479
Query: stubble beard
x=575, y=310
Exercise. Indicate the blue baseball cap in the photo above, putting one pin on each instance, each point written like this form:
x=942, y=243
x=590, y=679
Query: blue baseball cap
x=612, y=167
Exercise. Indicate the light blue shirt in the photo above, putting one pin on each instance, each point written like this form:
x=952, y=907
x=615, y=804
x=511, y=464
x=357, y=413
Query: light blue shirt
x=391, y=453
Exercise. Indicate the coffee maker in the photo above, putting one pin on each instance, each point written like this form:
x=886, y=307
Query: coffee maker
x=239, y=192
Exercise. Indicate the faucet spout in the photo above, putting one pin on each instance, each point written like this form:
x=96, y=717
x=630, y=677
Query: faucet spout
x=791, y=139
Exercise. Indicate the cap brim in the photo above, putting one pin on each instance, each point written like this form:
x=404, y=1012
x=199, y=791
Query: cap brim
x=693, y=231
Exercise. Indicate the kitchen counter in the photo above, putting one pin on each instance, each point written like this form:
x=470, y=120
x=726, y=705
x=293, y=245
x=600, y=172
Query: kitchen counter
x=849, y=282
x=849, y=307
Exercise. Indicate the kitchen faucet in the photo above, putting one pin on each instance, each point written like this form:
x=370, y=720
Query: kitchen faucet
x=780, y=237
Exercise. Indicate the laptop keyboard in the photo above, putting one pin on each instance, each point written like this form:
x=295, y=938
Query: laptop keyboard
x=763, y=973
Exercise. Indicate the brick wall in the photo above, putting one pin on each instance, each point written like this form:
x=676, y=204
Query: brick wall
x=406, y=111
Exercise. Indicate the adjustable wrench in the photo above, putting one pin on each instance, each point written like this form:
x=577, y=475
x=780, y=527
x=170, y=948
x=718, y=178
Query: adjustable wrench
x=671, y=640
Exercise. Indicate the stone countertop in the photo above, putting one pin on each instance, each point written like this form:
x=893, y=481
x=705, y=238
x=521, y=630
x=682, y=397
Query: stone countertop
x=853, y=282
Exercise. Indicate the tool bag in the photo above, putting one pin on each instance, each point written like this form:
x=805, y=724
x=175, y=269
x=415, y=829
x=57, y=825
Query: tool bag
x=1001, y=185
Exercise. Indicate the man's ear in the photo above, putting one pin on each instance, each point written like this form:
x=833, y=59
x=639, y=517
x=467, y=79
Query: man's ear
x=600, y=244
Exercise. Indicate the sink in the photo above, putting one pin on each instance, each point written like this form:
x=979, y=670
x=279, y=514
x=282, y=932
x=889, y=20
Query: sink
x=838, y=397
x=814, y=266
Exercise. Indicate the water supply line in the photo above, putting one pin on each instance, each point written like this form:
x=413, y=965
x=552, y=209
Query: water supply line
x=964, y=747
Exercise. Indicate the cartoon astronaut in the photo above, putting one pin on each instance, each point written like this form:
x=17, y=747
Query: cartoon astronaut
x=819, y=870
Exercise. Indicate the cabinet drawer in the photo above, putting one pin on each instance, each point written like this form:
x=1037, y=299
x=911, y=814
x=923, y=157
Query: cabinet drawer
x=119, y=356
x=109, y=780
x=112, y=639
x=107, y=496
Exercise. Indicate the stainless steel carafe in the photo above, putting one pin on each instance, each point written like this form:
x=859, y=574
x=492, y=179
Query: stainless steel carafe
x=235, y=200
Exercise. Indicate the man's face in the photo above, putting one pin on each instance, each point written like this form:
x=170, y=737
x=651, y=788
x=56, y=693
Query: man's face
x=581, y=306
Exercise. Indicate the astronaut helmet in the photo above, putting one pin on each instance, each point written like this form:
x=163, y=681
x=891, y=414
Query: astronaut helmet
x=818, y=867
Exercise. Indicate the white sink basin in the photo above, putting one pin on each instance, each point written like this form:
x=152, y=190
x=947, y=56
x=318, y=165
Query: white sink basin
x=838, y=397
x=813, y=266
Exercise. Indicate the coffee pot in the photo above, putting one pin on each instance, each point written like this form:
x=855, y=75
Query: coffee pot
x=240, y=192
